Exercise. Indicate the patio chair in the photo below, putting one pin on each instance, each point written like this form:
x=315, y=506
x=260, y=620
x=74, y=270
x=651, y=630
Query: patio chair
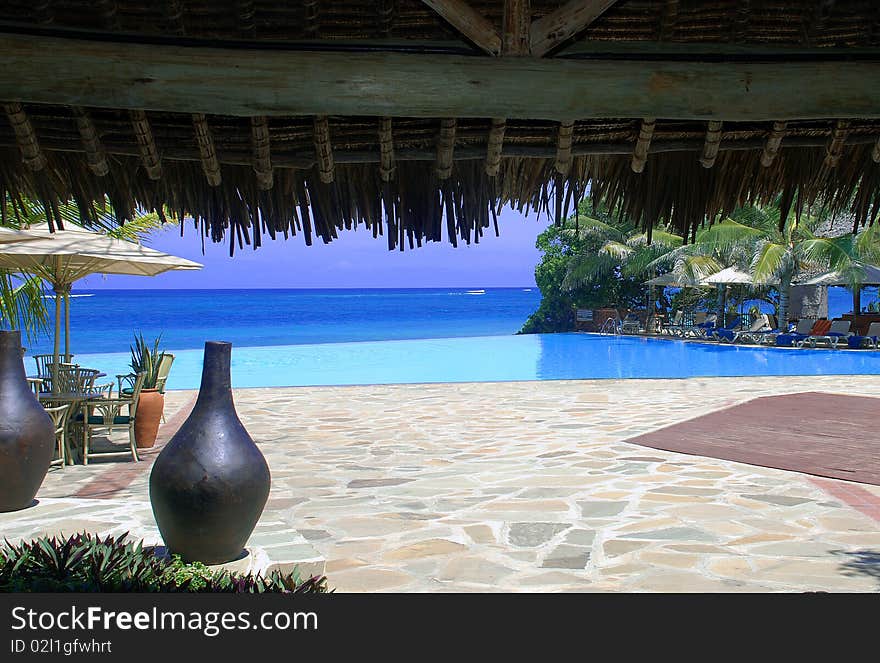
x=73, y=379
x=869, y=340
x=109, y=414
x=43, y=362
x=760, y=324
x=59, y=414
x=702, y=329
x=629, y=325
x=837, y=333
x=674, y=326
x=803, y=330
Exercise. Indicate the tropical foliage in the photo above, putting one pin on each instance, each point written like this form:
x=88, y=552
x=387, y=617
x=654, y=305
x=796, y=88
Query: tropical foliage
x=23, y=298
x=145, y=359
x=88, y=563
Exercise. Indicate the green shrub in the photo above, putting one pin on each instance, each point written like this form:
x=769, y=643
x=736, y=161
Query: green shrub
x=88, y=563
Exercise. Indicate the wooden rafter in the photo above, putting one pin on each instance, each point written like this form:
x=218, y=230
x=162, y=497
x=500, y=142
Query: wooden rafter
x=875, y=152
x=43, y=12
x=242, y=82
x=741, y=21
x=109, y=13
x=149, y=151
x=643, y=144
x=262, y=152
x=96, y=157
x=386, y=10
x=516, y=24
x=494, y=145
x=711, y=144
x=563, y=147
x=244, y=11
x=312, y=25
x=835, y=147
x=445, y=148
x=25, y=136
x=324, y=150
x=174, y=16
x=207, y=151
x=551, y=30
x=469, y=22
x=668, y=20
x=818, y=20
x=386, y=150
x=774, y=142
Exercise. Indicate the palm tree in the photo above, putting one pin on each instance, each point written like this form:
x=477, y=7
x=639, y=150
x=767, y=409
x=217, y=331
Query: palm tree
x=755, y=237
x=23, y=298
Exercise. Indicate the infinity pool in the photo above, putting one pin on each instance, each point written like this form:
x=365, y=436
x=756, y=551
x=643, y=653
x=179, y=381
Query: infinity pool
x=499, y=359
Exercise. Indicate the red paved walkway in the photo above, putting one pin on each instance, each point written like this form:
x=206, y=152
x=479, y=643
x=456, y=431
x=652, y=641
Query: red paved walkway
x=826, y=435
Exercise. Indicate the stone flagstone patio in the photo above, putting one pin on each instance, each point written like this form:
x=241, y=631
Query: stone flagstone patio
x=526, y=486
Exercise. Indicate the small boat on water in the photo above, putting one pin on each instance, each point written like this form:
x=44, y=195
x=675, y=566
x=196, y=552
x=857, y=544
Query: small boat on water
x=476, y=292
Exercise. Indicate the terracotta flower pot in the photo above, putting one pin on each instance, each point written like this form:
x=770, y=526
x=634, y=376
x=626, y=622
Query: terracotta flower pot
x=146, y=419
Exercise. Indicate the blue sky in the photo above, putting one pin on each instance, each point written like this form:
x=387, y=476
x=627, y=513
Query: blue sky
x=355, y=260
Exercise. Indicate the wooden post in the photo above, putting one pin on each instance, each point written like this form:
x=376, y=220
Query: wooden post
x=386, y=150
x=445, y=148
x=643, y=144
x=95, y=155
x=25, y=136
x=494, y=145
x=835, y=147
x=774, y=142
x=563, y=147
x=262, y=152
x=324, y=150
x=150, y=159
x=711, y=144
x=207, y=152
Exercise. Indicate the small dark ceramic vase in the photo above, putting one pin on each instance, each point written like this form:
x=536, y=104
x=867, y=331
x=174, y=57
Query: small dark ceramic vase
x=209, y=485
x=27, y=436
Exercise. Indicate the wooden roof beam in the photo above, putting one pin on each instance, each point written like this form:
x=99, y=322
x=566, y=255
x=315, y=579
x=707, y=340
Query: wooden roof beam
x=643, y=144
x=25, y=136
x=445, y=148
x=242, y=82
x=553, y=29
x=516, y=24
x=149, y=151
x=324, y=150
x=262, y=152
x=88, y=133
x=470, y=23
x=386, y=150
x=207, y=151
x=774, y=142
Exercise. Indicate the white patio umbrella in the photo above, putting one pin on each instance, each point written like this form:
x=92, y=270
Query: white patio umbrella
x=870, y=276
x=65, y=256
x=671, y=281
x=9, y=236
x=733, y=276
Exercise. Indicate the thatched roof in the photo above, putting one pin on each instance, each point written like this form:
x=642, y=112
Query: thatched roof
x=259, y=162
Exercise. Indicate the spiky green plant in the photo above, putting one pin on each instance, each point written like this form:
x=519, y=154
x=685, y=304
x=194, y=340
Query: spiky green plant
x=145, y=359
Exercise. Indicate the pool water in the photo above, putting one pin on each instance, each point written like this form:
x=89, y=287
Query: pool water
x=501, y=358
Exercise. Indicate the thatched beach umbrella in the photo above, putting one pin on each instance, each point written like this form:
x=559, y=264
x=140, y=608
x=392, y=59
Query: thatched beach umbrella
x=65, y=256
x=733, y=276
x=855, y=279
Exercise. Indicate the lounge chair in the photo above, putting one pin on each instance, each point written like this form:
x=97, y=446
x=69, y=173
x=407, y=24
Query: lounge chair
x=837, y=333
x=674, y=326
x=803, y=330
x=629, y=325
x=703, y=329
x=759, y=325
x=869, y=340
x=731, y=327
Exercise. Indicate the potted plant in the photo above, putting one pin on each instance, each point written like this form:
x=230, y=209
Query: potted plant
x=145, y=359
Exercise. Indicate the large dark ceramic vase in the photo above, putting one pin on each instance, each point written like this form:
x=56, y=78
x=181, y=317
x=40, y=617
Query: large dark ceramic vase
x=209, y=485
x=27, y=436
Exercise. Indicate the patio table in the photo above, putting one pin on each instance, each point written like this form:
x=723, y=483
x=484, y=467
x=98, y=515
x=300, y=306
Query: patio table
x=74, y=399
